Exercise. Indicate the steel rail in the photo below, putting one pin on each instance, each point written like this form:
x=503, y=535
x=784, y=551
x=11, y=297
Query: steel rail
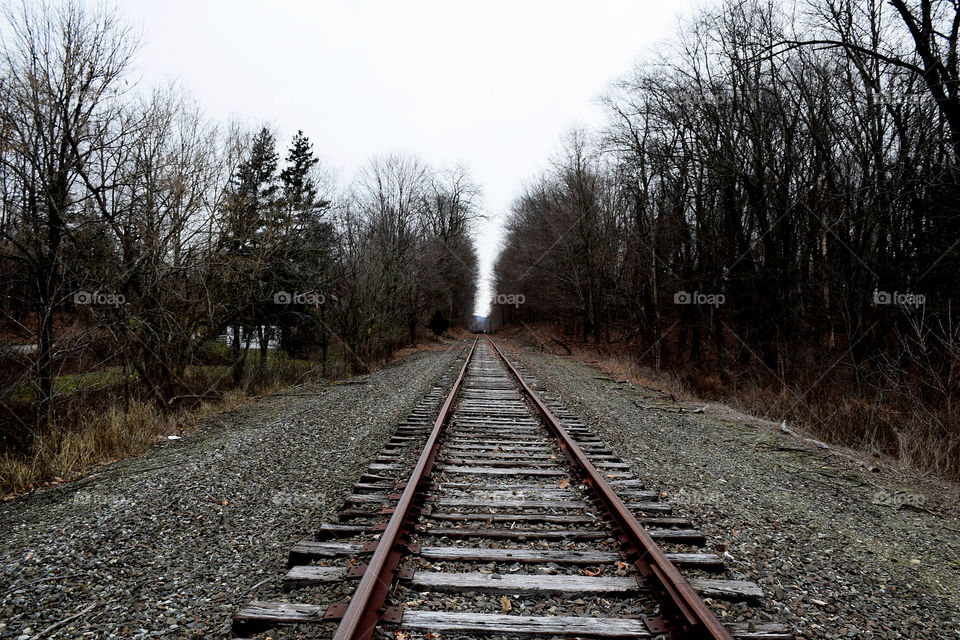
x=367, y=604
x=686, y=614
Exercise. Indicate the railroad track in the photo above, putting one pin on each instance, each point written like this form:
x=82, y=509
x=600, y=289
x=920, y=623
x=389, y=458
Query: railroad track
x=504, y=516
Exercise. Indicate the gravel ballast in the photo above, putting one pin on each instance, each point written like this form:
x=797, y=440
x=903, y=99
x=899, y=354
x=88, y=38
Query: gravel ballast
x=840, y=552
x=170, y=543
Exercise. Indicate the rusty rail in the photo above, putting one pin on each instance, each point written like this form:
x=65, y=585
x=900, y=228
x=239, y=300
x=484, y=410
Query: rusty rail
x=684, y=612
x=366, y=607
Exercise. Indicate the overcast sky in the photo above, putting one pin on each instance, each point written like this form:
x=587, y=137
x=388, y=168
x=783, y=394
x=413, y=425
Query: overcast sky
x=488, y=84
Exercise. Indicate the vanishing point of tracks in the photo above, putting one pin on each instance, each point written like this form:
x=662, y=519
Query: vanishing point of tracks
x=505, y=502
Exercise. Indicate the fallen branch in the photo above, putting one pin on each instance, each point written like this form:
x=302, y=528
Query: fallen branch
x=194, y=396
x=679, y=409
x=57, y=625
x=819, y=443
x=16, y=587
x=569, y=353
x=257, y=586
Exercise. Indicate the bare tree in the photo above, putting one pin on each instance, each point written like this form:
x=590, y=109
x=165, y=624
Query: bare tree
x=795, y=180
x=63, y=67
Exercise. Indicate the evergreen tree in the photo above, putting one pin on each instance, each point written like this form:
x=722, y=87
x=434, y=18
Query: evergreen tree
x=253, y=234
x=299, y=187
x=254, y=196
x=304, y=263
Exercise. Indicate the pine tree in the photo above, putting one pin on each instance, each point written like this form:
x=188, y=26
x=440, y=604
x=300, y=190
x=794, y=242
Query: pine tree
x=254, y=227
x=305, y=263
x=299, y=188
x=253, y=206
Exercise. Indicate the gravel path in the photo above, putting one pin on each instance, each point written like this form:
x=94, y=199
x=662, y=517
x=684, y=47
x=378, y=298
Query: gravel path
x=169, y=544
x=841, y=553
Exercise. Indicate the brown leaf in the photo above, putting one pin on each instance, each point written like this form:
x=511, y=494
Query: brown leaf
x=622, y=565
x=590, y=572
x=400, y=635
x=564, y=483
x=224, y=502
x=505, y=603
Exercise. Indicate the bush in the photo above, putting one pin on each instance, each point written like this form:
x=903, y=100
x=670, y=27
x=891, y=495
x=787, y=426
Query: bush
x=438, y=323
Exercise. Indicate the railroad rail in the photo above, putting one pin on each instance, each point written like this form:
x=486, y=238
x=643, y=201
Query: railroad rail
x=505, y=494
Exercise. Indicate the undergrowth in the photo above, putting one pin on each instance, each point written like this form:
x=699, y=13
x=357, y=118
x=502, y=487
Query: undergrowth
x=902, y=420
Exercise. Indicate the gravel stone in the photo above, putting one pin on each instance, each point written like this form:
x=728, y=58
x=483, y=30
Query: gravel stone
x=841, y=552
x=169, y=544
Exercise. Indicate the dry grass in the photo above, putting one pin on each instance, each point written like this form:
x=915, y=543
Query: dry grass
x=622, y=367
x=101, y=437
x=63, y=454
x=898, y=424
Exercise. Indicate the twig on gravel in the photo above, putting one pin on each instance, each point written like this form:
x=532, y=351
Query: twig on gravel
x=57, y=625
x=569, y=353
x=16, y=587
x=298, y=395
x=679, y=409
x=819, y=443
x=834, y=485
x=916, y=507
x=654, y=389
x=256, y=586
x=770, y=448
x=652, y=408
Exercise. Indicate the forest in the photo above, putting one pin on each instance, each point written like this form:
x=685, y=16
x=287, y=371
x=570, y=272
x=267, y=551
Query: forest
x=767, y=216
x=770, y=216
x=153, y=261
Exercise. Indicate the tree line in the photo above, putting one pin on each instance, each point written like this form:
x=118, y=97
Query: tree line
x=166, y=257
x=771, y=210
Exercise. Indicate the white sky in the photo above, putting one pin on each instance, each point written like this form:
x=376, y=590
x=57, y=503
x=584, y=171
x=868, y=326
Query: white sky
x=491, y=85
